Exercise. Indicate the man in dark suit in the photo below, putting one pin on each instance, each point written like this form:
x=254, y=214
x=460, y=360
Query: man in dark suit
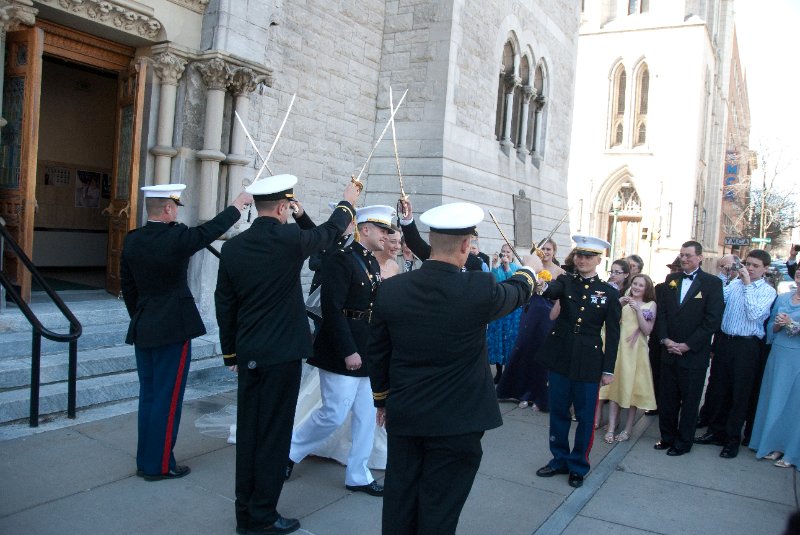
x=349, y=286
x=653, y=344
x=430, y=374
x=689, y=313
x=164, y=318
x=264, y=332
x=791, y=262
x=576, y=357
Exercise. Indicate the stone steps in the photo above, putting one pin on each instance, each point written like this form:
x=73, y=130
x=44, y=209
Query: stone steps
x=106, y=365
x=97, y=390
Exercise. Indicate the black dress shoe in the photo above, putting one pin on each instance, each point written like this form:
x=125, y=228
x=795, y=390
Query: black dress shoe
x=549, y=471
x=730, y=450
x=575, y=480
x=675, y=452
x=373, y=489
x=288, y=470
x=702, y=422
x=662, y=445
x=652, y=412
x=709, y=438
x=282, y=525
x=175, y=473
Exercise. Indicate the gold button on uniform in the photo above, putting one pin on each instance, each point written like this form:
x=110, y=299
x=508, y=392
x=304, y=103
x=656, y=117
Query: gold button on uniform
x=586, y=286
x=582, y=308
x=580, y=320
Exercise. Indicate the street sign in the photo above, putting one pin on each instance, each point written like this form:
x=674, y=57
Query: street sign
x=761, y=240
x=735, y=240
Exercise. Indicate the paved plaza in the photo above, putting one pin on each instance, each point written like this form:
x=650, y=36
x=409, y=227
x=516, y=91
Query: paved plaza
x=79, y=478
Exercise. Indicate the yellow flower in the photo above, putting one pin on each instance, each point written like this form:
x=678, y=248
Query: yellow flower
x=544, y=276
x=673, y=284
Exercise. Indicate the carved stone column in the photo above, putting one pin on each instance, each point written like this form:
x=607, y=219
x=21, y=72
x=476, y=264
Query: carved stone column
x=169, y=68
x=243, y=82
x=528, y=92
x=13, y=14
x=216, y=75
x=512, y=81
x=539, y=102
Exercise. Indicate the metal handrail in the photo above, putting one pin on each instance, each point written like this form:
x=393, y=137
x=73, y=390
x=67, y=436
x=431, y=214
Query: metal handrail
x=39, y=330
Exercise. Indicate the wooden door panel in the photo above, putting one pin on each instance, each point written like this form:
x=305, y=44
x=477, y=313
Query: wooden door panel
x=20, y=145
x=123, y=206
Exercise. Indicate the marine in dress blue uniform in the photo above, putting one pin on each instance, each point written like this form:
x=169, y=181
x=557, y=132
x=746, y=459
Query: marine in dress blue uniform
x=263, y=330
x=577, y=358
x=164, y=318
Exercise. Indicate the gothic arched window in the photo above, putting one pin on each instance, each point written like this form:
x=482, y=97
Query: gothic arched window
x=618, y=106
x=642, y=97
x=506, y=70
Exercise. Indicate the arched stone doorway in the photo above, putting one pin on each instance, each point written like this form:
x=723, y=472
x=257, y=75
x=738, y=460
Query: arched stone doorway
x=624, y=226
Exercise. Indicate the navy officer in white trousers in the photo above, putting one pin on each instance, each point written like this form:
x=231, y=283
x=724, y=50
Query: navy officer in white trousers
x=350, y=281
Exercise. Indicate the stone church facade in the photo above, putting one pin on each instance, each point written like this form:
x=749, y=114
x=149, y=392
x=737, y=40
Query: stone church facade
x=103, y=97
x=650, y=136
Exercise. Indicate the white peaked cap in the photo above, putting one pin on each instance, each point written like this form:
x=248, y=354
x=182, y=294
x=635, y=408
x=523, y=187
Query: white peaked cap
x=273, y=188
x=165, y=191
x=379, y=215
x=458, y=218
x=589, y=245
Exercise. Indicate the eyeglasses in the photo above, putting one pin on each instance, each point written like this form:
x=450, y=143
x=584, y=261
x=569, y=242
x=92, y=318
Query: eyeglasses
x=616, y=272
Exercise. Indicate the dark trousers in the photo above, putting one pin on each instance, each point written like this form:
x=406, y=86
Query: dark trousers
x=427, y=482
x=654, y=352
x=266, y=403
x=705, y=412
x=162, y=380
x=736, y=364
x=681, y=390
x=583, y=396
x=764, y=350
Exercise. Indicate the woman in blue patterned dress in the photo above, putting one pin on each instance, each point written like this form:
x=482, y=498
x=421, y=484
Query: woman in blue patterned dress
x=502, y=333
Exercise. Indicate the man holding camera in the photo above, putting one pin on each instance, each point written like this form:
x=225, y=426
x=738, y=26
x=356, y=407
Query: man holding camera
x=748, y=300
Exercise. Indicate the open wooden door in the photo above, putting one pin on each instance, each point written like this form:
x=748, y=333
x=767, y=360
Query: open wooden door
x=125, y=178
x=20, y=145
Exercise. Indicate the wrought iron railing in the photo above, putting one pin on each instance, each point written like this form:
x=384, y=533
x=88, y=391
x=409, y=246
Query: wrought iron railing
x=39, y=330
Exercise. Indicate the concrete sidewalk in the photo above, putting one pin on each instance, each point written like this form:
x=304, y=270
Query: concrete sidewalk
x=80, y=479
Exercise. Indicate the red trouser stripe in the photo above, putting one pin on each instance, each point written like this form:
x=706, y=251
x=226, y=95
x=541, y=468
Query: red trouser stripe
x=173, y=407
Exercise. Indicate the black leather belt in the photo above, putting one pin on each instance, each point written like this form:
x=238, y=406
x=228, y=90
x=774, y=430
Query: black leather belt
x=735, y=337
x=579, y=329
x=357, y=314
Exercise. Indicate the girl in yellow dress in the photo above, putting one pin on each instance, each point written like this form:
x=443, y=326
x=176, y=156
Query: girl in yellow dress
x=632, y=387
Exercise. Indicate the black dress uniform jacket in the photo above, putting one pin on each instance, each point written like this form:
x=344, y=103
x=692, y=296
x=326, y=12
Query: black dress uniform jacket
x=422, y=249
x=317, y=260
x=349, y=284
x=692, y=322
x=153, y=268
x=260, y=308
x=427, y=357
x=574, y=347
